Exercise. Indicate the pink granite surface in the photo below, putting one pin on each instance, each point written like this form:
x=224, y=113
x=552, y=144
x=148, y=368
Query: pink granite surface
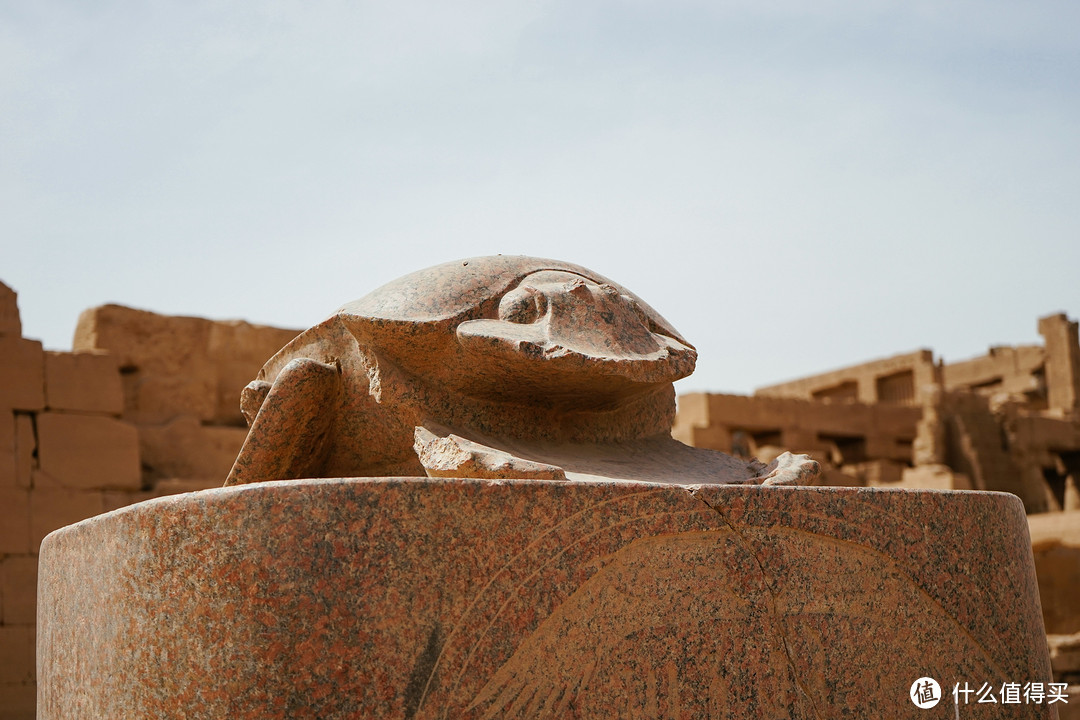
x=427, y=598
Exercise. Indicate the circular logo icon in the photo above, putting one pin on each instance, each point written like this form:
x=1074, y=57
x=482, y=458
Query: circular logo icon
x=925, y=692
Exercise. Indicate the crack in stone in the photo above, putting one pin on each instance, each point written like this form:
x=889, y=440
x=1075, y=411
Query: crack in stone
x=777, y=621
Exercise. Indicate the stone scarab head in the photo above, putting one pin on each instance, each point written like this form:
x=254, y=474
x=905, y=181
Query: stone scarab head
x=506, y=360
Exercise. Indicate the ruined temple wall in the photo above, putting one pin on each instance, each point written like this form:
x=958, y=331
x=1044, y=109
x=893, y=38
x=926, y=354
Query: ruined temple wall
x=825, y=430
x=65, y=455
x=1062, y=364
x=1007, y=369
x=147, y=406
x=1048, y=375
x=899, y=380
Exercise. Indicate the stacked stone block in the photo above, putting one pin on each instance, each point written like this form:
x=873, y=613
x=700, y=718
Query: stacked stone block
x=147, y=405
x=63, y=447
x=771, y=424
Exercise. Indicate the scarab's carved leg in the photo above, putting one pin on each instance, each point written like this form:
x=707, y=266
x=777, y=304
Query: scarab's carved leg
x=252, y=397
x=455, y=457
x=288, y=434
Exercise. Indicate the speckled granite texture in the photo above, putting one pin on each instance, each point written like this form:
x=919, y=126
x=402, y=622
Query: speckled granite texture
x=427, y=598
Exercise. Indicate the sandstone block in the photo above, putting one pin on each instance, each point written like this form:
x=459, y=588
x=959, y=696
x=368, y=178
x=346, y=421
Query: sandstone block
x=10, y=325
x=18, y=590
x=798, y=438
x=86, y=451
x=176, y=366
x=25, y=449
x=934, y=477
x=893, y=421
x=16, y=654
x=22, y=374
x=881, y=473
x=164, y=360
x=18, y=701
x=238, y=350
x=835, y=477
x=888, y=448
x=175, y=486
x=160, y=398
x=1036, y=432
x=693, y=410
x=1070, y=711
x=1055, y=542
x=1064, y=654
x=713, y=438
x=185, y=448
x=84, y=381
x=51, y=509
x=15, y=528
x=115, y=499
x=8, y=474
x=416, y=598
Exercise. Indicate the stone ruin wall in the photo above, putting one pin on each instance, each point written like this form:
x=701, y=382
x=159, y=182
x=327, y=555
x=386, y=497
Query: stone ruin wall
x=146, y=405
x=1008, y=421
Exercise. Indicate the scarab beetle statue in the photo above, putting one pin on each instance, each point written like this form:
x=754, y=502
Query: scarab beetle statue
x=492, y=367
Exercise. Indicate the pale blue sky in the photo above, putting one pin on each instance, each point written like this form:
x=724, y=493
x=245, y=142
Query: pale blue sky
x=795, y=186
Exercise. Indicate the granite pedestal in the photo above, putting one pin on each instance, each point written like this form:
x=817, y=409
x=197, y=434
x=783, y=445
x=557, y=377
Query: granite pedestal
x=425, y=598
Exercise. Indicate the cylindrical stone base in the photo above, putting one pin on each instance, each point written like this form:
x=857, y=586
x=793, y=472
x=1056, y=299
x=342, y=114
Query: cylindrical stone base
x=421, y=598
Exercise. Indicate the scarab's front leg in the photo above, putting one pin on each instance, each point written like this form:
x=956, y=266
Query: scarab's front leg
x=288, y=434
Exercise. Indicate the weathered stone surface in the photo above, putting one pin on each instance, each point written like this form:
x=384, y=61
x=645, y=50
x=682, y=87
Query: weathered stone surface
x=1065, y=653
x=8, y=473
x=1071, y=711
x=425, y=598
x=1055, y=542
x=930, y=446
x=839, y=433
x=88, y=451
x=500, y=366
x=16, y=654
x=179, y=366
x=52, y=508
x=877, y=473
x=10, y=324
x=237, y=350
x=84, y=381
x=15, y=529
x=18, y=701
x=166, y=370
x=22, y=369
x=25, y=439
x=185, y=448
x=18, y=589
x=1062, y=362
x=934, y=477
